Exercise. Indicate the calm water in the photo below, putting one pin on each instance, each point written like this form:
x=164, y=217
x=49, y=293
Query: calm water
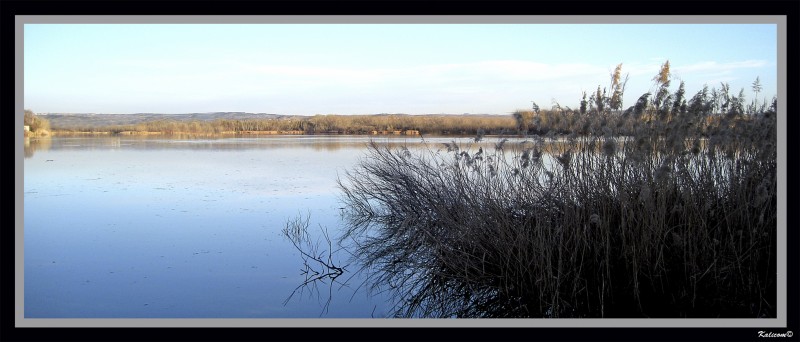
x=154, y=227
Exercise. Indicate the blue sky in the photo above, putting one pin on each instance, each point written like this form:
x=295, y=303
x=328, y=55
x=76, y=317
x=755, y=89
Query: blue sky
x=308, y=69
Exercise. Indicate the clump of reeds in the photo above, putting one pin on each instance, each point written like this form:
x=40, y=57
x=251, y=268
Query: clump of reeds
x=676, y=219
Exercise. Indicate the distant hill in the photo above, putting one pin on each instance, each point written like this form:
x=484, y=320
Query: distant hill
x=72, y=120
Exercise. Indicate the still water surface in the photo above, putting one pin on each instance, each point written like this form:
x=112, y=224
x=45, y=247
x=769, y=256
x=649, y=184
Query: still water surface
x=131, y=227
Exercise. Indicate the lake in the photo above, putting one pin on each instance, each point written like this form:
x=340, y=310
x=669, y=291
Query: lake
x=156, y=227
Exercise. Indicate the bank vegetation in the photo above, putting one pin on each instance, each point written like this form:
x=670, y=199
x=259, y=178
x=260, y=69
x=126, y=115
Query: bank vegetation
x=667, y=209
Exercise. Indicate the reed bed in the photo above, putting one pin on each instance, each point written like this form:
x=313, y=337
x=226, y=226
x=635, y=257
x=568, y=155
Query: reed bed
x=675, y=219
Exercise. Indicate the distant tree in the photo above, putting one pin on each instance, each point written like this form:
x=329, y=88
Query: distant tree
x=29, y=117
x=35, y=123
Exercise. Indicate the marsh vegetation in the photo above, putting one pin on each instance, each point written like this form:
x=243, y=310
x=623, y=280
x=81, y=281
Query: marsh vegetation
x=666, y=209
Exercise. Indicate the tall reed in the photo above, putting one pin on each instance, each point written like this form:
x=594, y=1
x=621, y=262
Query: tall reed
x=675, y=219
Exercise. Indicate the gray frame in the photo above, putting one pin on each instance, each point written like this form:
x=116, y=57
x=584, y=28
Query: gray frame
x=779, y=321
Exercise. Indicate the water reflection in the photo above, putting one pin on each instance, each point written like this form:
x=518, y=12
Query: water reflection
x=321, y=265
x=31, y=145
x=119, y=227
x=309, y=142
x=128, y=226
x=316, y=143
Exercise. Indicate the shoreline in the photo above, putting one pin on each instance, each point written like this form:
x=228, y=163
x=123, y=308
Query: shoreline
x=230, y=133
